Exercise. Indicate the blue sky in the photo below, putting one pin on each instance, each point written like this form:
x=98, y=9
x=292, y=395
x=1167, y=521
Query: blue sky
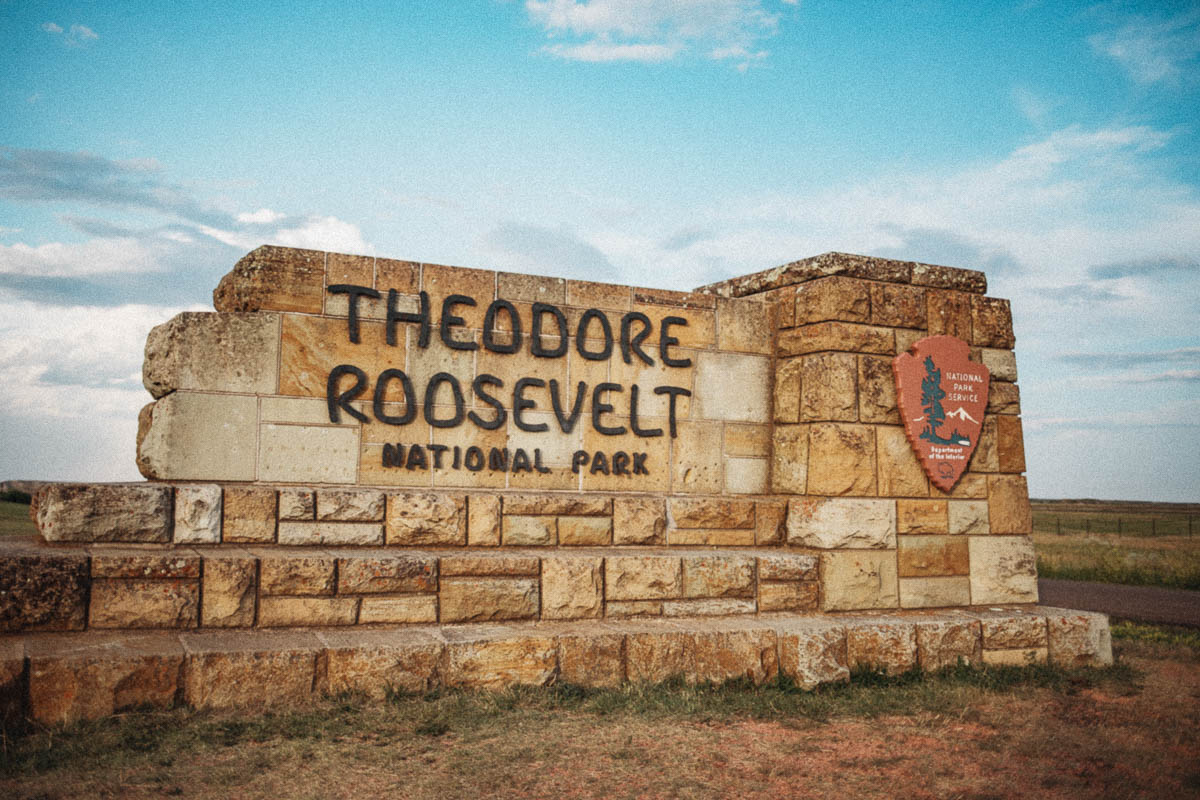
x=144, y=147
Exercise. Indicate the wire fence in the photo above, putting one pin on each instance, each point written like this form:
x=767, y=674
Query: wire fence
x=1120, y=524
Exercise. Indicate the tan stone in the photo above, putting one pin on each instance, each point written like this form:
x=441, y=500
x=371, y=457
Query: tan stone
x=828, y=387
x=572, y=587
x=732, y=387
x=376, y=662
x=43, y=591
x=403, y=276
x=787, y=567
x=633, y=608
x=143, y=604
x=531, y=288
x=1008, y=504
x=1015, y=658
x=146, y=564
x=584, y=531
x=479, y=663
x=813, y=652
x=859, y=579
x=769, y=522
x=279, y=612
x=656, y=654
x=274, y=278
x=298, y=411
x=409, y=609
x=228, y=592
x=711, y=537
x=198, y=436
x=426, y=519
x=280, y=574
x=949, y=314
x=898, y=306
x=906, y=338
x=966, y=280
x=391, y=573
x=887, y=646
x=441, y=281
x=969, y=486
x=1002, y=364
x=834, y=298
x=790, y=473
x=787, y=389
x=991, y=323
x=213, y=352
x=941, y=643
x=639, y=520
x=483, y=520
x=587, y=294
x=900, y=474
x=488, y=599
x=718, y=576
x=711, y=513
x=348, y=505
x=75, y=678
x=1010, y=444
x=986, y=457
x=968, y=516
x=591, y=658
x=877, y=390
x=1003, y=398
x=296, y=505
x=841, y=459
x=1079, y=639
x=744, y=325
x=249, y=514
x=198, y=514
x=1003, y=570
x=745, y=653
x=696, y=465
x=554, y=504
x=103, y=512
x=522, y=531
x=932, y=556
x=337, y=534
x=790, y=596
x=750, y=441
x=707, y=607
x=643, y=578
x=510, y=565
x=937, y=592
x=247, y=670
x=839, y=523
x=838, y=336
x=1014, y=631
x=922, y=516
x=308, y=454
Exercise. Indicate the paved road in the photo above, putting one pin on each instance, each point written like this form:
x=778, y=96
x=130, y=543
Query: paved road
x=1141, y=603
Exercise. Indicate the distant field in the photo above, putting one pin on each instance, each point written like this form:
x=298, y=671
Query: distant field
x=14, y=519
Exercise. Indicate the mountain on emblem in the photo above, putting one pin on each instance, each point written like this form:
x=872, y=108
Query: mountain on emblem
x=937, y=373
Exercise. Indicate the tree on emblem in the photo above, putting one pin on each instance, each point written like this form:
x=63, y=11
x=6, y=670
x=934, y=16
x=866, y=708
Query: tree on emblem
x=932, y=395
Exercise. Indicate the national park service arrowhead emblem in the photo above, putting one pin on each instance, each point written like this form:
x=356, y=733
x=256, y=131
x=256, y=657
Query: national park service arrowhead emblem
x=942, y=396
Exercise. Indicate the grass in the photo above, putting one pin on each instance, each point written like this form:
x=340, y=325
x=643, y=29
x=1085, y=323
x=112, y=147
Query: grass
x=14, y=519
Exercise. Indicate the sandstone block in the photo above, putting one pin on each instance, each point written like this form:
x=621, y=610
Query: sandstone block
x=408, y=609
x=696, y=464
x=833, y=298
x=707, y=607
x=228, y=592
x=249, y=514
x=746, y=475
x=829, y=387
x=968, y=516
x=718, y=576
x=643, y=578
x=373, y=662
x=971, y=486
x=769, y=522
x=213, y=352
x=274, y=278
x=1010, y=444
x=488, y=599
x=388, y=574
x=789, y=596
x=104, y=512
x=813, y=652
x=711, y=537
x=591, y=658
x=711, y=513
x=348, y=505
x=986, y=457
x=949, y=314
x=991, y=323
x=790, y=474
x=43, y=591
x=426, y=519
x=495, y=565
x=122, y=603
x=483, y=520
x=887, y=646
x=633, y=608
x=787, y=390
x=308, y=453
x=1008, y=504
x=1015, y=658
x=480, y=663
x=572, y=587
x=249, y=669
x=748, y=441
x=859, y=579
x=900, y=474
x=898, y=306
x=531, y=288
x=787, y=567
x=282, y=612
x=585, y=531
x=965, y=280
x=1003, y=398
x=839, y=523
x=932, y=556
x=310, y=575
x=1079, y=638
x=111, y=563
x=1003, y=570
x=656, y=654
x=877, y=390
x=337, y=534
x=837, y=336
x=732, y=387
x=723, y=655
x=940, y=592
x=921, y=516
x=197, y=436
x=1002, y=364
x=198, y=514
x=1014, y=631
x=522, y=531
x=572, y=505
x=941, y=643
x=841, y=459
x=639, y=520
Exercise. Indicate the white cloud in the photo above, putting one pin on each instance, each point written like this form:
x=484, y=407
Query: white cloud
x=83, y=33
x=599, y=52
x=324, y=233
x=50, y=27
x=93, y=257
x=1153, y=50
x=264, y=216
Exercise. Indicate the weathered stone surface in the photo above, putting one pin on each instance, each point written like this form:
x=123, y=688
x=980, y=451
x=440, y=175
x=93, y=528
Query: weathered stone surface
x=935, y=592
x=643, y=578
x=746, y=475
x=900, y=474
x=850, y=265
x=769, y=520
x=877, y=390
x=274, y=278
x=655, y=653
x=991, y=323
x=289, y=574
x=787, y=390
x=591, y=657
x=789, y=596
x=213, y=352
x=968, y=516
x=372, y=662
x=633, y=608
x=479, y=663
x=732, y=387
x=1015, y=658
x=1003, y=570
x=198, y=514
x=828, y=390
x=986, y=457
x=1008, y=504
x=834, y=298
x=921, y=516
x=887, y=646
x=1014, y=631
x=42, y=591
x=249, y=514
x=281, y=612
x=1001, y=363
x=897, y=305
x=813, y=652
x=349, y=505
x=707, y=607
x=695, y=465
x=718, y=576
x=125, y=603
x=751, y=441
x=970, y=486
x=199, y=436
x=838, y=336
x=711, y=513
x=391, y=573
x=308, y=453
x=524, y=531
x=859, y=579
x=722, y=655
x=1010, y=444
x=963, y=280
x=711, y=537
x=331, y=533
x=249, y=670
x=639, y=520
x=488, y=599
x=147, y=564
x=941, y=643
x=585, y=531
x=1003, y=398
x=839, y=523
x=841, y=459
x=790, y=473
x=228, y=592
x=572, y=587
x=932, y=556
x=75, y=678
x=787, y=567
x=483, y=520
x=104, y=512
x=949, y=314
x=574, y=505
x=412, y=608
x=1078, y=638
x=426, y=519
x=511, y=565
